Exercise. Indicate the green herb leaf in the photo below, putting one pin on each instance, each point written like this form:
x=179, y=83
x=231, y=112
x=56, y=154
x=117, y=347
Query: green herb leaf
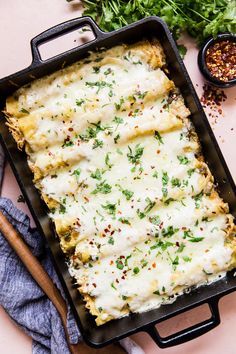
x=107, y=160
x=183, y=160
x=97, y=174
x=79, y=102
x=111, y=241
x=110, y=208
x=158, y=137
x=97, y=143
x=136, y=270
x=128, y=194
x=23, y=110
x=135, y=154
x=102, y=187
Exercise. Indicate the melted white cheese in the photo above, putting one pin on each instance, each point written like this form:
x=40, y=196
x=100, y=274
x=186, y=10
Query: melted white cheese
x=121, y=174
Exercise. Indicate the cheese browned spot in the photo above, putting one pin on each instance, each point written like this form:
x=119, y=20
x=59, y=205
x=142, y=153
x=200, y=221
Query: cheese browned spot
x=119, y=166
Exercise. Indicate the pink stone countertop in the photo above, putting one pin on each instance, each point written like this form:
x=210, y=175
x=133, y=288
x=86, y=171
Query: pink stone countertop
x=19, y=22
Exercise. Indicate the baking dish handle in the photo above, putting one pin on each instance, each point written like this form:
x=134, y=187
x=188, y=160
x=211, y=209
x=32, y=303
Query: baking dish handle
x=189, y=333
x=61, y=29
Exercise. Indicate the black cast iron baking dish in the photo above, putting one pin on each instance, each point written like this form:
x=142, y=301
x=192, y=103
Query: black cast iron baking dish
x=151, y=27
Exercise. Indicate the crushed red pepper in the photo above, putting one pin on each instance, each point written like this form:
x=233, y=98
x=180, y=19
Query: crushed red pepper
x=213, y=98
x=221, y=60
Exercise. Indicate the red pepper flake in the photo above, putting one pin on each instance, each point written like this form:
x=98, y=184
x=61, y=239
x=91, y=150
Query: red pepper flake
x=111, y=262
x=161, y=225
x=86, y=199
x=213, y=98
x=113, y=231
x=70, y=129
x=123, y=277
x=221, y=60
x=95, y=285
x=158, y=151
x=106, y=230
x=154, y=265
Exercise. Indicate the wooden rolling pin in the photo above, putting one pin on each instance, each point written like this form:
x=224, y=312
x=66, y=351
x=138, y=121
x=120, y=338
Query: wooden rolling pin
x=46, y=284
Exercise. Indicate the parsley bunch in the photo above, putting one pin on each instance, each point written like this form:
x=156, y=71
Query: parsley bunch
x=199, y=18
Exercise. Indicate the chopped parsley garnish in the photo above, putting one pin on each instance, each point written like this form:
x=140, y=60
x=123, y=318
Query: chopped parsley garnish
x=119, y=104
x=80, y=102
x=119, y=264
x=102, y=187
x=140, y=94
x=67, y=143
x=113, y=286
x=187, y=259
x=135, y=154
x=99, y=84
x=147, y=209
x=169, y=231
x=110, y=208
x=163, y=245
x=23, y=110
x=124, y=221
x=91, y=132
x=96, y=69
x=169, y=200
x=107, y=160
x=175, y=182
x=128, y=194
x=126, y=260
x=111, y=240
x=176, y=261
x=158, y=137
x=97, y=143
x=165, y=178
x=155, y=174
x=155, y=220
x=97, y=174
x=116, y=138
x=107, y=71
x=157, y=292
x=164, y=192
x=189, y=235
x=77, y=172
x=136, y=270
x=118, y=121
x=144, y=263
x=196, y=239
x=191, y=171
x=206, y=219
x=198, y=198
x=62, y=209
x=183, y=160
x=181, y=247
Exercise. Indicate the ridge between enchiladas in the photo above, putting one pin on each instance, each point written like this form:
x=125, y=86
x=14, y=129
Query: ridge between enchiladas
x=119, y=165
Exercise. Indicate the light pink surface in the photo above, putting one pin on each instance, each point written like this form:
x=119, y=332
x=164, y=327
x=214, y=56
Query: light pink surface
x=21, y=21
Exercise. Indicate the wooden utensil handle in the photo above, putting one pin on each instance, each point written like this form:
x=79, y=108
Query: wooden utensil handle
x=37, y=271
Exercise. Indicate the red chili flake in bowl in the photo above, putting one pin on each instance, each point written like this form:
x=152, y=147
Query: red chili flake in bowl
x=221, y=60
